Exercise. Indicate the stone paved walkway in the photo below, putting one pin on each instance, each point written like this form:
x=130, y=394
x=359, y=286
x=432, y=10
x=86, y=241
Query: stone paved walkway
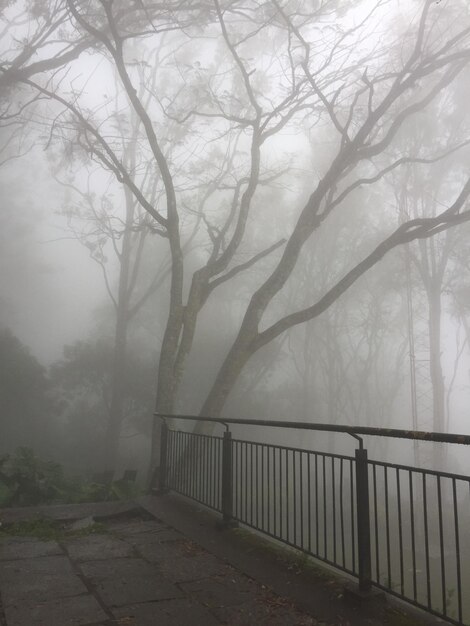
x=138, y=573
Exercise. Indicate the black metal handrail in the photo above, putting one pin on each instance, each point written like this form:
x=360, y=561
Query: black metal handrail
x=400, y=528
x=396, y=433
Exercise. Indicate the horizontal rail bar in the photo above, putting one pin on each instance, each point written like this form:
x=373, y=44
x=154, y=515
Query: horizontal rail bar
x=275, y=446
x=419, y=470
x=415, y=435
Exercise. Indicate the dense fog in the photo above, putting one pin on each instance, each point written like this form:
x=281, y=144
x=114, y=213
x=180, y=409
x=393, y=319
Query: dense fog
x=239, y=209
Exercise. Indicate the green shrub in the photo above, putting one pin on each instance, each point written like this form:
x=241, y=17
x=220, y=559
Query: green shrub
x=26, y=480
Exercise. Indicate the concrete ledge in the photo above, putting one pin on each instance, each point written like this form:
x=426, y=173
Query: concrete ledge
x=226, y=524
x=354, y=595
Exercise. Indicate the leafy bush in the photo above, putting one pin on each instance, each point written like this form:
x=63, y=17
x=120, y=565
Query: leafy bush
x=26, y=480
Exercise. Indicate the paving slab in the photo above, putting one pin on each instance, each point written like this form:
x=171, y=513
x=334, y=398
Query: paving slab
x=156, y=552
x=126, y=591
x=39, y=567
x=265, y=612
x=97, y=571
x=98, y=547
x=78, y=611
x=191, y=568
x=138, y=528
x=161, y=536
x=182, y=612
x=26, y=548
x=32, y=588
x=221, y=591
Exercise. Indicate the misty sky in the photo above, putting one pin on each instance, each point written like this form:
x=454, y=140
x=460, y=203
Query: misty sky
x=49, y=286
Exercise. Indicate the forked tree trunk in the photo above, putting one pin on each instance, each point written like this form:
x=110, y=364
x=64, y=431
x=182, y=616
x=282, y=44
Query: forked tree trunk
x=116, y=409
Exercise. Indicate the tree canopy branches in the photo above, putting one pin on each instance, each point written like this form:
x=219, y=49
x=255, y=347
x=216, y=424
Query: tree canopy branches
x=224, y=98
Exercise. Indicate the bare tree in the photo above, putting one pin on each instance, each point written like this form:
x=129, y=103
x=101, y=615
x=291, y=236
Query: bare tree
x=420, y=193
x=272, y=71
x=365, y=132
x=97, y=224
x=35, y=38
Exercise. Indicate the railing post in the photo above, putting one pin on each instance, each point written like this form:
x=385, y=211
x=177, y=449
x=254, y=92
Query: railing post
x=163, y=470
x=227, y=481
x=363, y=520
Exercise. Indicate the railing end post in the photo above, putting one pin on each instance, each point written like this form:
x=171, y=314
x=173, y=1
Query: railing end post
x=163, y=468
x=363, y=521
x=227, y=483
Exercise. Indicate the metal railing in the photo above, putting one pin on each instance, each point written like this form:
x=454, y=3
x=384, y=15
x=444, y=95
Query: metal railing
x=400, y=528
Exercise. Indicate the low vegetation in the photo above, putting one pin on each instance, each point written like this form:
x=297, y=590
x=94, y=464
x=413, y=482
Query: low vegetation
x=49, y=530
x=26, y=480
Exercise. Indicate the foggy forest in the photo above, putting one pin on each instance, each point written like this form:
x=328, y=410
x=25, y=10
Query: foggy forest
x=224, y=208
x=246, y=209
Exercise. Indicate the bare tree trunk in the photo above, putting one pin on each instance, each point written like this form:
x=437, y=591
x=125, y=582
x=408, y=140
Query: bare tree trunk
x=435, y=366
x=168, y=379
x=116, y=409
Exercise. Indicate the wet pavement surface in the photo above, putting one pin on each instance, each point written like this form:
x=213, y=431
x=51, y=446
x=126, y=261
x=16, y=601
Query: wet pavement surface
x=159, y=561
x=138, y=572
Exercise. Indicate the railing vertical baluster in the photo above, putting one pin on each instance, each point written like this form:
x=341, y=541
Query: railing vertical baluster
x=257, y=495
x=376, y=526
x=274, y=491
x=341, y=492
x=200, y=467
x=281, y=491
x=206, y=470
x=441, y=545
x=317, y=548
x=191, y=472
x=235, y=478
x=413, y=539
x=263, y=500
x=173, y=461
x=309, y=498
x=181, y=462
x=325, y=520
x=457, y=550
x=363, y=520
x=400, y=533
x=219, y=474
x=294, y=498
x=387, y=530
x=334, y=506
x=268, y=474
x=203, y=469
x=426, y=540
x=169, y=460
x=287, y=496
x=186, y=450
x=246, y=491
x=353, y=525
x=302, y=544
x=252, y=481
x=210, y=443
